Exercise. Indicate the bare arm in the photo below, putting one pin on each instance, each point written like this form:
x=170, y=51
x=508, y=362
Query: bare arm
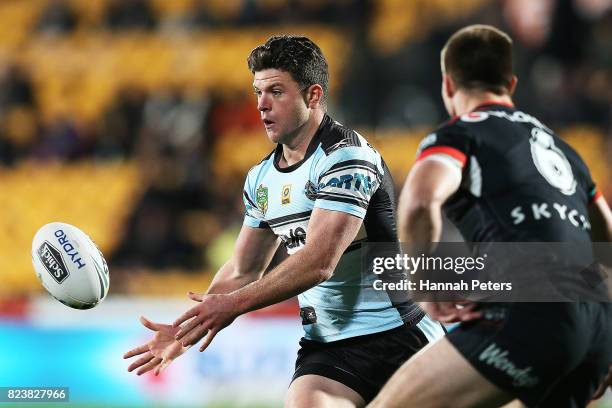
x=329, y=234
x=253, y=252
x=428, y=185
x=600, y=216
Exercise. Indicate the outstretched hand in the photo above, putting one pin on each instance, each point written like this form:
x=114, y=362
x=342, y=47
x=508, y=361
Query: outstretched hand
x=158, y=353
x=206, y=319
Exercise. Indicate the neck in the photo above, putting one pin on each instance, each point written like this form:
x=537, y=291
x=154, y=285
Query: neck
x=466, y=102
x=295, y=150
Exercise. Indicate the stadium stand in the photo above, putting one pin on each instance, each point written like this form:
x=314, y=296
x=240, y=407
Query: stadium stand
x=135, y=120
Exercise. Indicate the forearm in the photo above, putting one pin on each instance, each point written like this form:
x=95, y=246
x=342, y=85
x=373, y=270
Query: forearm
x=295, y=275
x=421, y=226
x=227, y=280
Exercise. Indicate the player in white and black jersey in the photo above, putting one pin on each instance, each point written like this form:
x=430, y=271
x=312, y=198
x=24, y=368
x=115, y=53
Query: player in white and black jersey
x=322, y=193
x=501, y=176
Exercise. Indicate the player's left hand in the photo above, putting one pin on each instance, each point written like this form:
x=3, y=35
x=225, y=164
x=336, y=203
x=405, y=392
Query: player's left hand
x=604, y=385
x=206, y=319
x=451, y=312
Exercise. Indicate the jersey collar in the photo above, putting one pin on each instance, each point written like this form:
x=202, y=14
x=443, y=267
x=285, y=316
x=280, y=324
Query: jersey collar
x=493, y=103
x=312, y=146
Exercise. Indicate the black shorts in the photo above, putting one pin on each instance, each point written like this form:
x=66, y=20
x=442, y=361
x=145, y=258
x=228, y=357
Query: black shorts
x=544, y=354
x=362, y=363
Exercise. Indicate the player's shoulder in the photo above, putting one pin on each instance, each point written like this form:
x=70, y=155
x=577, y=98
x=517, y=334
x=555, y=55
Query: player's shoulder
x=342, y=147
x=336, y=137
x=259, y=170
x=452, y=133
x=263, y=163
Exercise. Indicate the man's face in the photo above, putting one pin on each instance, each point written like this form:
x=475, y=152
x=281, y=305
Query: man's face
x=281, y=104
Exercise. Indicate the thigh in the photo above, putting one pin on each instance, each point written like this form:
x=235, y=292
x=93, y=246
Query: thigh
x=438, y=376
x=362, y=364
x=321, y=392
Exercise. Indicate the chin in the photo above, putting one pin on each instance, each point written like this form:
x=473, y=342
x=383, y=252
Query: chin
x=274, y=137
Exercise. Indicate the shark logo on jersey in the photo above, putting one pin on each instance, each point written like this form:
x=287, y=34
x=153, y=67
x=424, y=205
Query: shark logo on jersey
x=261, y=196
x=310, y=190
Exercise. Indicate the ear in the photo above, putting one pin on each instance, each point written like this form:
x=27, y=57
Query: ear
x=449, y=86
x=512, y=85
x=314, y=96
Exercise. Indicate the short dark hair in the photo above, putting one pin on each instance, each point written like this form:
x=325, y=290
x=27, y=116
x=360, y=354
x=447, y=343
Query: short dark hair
x=298, y=56
x=479, y=57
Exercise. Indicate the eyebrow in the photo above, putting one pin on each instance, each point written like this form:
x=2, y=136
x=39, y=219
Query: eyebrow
x=272, y=85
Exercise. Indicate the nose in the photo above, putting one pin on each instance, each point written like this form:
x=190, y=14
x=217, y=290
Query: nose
x=263, y=103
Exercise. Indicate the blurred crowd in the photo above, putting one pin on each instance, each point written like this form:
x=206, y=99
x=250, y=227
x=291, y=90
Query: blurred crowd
x=563, y=60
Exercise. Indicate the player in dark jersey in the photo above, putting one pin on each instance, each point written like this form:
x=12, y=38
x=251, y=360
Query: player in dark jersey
x=322, y=192
x=501, y=175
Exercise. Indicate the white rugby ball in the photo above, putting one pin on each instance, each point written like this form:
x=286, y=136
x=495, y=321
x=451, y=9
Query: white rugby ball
x=69, y=265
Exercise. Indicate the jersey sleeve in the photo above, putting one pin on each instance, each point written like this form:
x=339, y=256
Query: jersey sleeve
x=347, y=179
x=253, y=216
x=583, y=174
x=593, y=192
x=449, y=144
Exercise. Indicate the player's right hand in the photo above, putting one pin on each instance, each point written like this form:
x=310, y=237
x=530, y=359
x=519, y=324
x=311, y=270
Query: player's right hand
x=158, y=353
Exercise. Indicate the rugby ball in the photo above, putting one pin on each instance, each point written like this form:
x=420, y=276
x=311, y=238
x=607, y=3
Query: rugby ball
x=69, y=265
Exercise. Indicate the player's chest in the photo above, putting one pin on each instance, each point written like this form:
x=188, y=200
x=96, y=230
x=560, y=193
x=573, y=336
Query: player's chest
x=287, y=201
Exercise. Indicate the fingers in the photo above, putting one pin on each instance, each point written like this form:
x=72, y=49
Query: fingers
x=194, y=335
x=140, y=362
x=451, y=312
x=195, y=296
x=149, y=366
x=185, y=316
x=187, y=328
x=209, y=337
x=149, y=324
x=136, y=351
x=162, y=366
x=467, y=312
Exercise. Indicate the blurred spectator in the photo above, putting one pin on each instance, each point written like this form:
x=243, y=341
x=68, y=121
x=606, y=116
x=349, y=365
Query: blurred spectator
x=563, y=60
x=61, y=141
x=15, y=87
x=130, y=15
x=121, y=124
x=175, y=162
x=57, y=18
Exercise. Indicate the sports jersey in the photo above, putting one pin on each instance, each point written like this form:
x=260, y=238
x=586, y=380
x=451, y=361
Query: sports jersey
x=520, y=181
x=340, y=172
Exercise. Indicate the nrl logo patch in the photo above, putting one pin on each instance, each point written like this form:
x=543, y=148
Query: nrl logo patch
x=261, y=197
x=286, y=194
